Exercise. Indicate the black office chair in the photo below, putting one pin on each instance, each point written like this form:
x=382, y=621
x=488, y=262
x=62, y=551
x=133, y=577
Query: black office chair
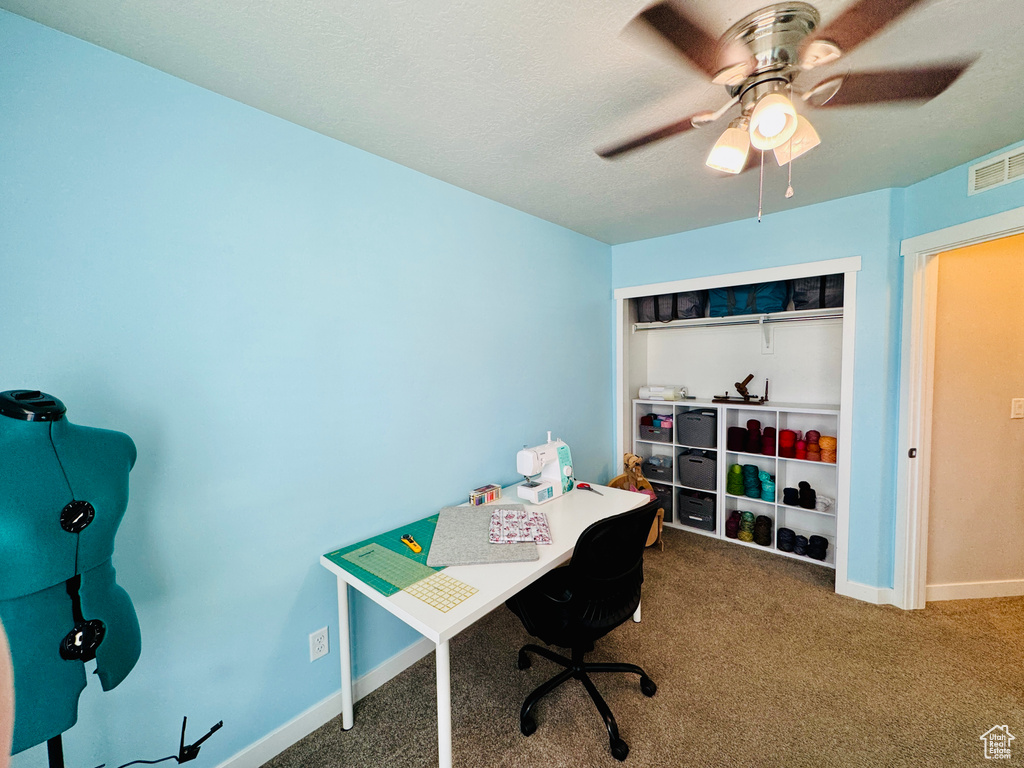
x=573, y=606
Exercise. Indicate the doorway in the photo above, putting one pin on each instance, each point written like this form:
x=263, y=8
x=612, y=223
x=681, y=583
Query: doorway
x=957, y=576
x=976, y=529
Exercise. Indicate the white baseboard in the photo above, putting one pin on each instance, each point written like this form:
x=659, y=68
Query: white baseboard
x=973, y=590
x=277, y=741
x=865, y=593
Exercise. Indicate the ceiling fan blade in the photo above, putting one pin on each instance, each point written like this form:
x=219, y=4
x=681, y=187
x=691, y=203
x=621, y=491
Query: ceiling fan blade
x=863, y=20
x=920, y=84
x=662, y=133
x=685, y=35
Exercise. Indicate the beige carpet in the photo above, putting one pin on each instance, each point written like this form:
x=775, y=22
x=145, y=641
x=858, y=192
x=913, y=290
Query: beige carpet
x=758, y=663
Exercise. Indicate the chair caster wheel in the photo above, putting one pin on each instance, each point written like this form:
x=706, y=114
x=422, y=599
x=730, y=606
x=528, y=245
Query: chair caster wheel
x=523, y=662
x=620, y=749
x=528, y=726
x=647, y=686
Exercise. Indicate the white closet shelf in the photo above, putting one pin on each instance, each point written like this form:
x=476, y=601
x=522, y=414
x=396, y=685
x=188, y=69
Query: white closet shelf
x=789, y=316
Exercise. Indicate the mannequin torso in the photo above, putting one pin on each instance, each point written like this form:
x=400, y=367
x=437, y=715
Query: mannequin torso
x=63, y=492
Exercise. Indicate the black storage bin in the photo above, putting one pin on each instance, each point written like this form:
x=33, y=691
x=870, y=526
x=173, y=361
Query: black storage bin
x=697, y=427
x=697, y=469
x=656, y=472
x=696, y=510
x=657, y=434
x=690, y=304
x=825, y=292
x=651, y=309
x=664, y=494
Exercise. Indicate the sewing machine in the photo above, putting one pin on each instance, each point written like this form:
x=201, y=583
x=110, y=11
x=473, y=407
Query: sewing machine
x=553, y=462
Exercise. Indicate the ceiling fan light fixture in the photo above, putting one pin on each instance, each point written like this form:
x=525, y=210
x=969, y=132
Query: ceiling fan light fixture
x=803, y=140
x=730, y=151
x=772, y=121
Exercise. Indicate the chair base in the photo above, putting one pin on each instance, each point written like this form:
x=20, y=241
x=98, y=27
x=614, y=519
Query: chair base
x=579, y=669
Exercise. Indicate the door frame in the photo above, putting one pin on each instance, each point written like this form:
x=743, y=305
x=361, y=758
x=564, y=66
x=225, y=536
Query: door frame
x=917, y=363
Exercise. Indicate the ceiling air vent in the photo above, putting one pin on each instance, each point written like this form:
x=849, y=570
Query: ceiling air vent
x=993, y=173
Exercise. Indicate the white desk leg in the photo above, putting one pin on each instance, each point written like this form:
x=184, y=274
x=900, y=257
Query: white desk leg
x=444, y=706
x=636, y=613
x=345, y=653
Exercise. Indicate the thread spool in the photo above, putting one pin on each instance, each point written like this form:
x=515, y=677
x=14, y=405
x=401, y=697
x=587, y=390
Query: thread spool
x=763, y=531
x=808, y=498
x=785, y=539
x=753, y=436
x=736, y=439
x=817, y=547
x=732, y=525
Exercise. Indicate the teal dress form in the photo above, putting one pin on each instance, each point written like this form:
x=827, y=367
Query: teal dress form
x=63, y=492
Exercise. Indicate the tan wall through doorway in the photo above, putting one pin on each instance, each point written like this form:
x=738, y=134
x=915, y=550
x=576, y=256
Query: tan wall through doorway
x=976, y=489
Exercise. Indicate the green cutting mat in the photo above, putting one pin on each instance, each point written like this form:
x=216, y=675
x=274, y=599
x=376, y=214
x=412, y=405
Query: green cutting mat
x=379, y=566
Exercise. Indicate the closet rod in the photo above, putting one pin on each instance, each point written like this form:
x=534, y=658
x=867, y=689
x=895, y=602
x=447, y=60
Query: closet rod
x=715, y=322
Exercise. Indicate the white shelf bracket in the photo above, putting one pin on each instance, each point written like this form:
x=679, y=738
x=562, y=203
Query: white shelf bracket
x=768, y=347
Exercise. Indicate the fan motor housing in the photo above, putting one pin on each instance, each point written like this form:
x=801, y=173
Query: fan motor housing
x=771, y=39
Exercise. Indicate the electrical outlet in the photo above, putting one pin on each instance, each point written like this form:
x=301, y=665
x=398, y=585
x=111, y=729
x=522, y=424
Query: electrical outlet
x=1017, y=408
x=318, y=644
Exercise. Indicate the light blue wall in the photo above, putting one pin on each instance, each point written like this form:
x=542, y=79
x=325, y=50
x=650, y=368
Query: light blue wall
x=854, y=226
x=942, y=200
x=307, y=343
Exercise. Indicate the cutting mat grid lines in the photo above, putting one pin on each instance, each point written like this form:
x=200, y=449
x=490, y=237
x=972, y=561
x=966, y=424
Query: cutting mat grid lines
x=421, y=581
x=395, y=569
x=441, y=591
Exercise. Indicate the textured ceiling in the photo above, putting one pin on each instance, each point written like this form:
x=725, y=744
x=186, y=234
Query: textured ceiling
x=509, y=98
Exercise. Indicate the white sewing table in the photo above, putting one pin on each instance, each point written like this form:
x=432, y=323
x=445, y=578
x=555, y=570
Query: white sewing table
x=567, y=515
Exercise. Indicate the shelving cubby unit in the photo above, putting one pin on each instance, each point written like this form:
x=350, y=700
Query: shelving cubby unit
x=678, y=493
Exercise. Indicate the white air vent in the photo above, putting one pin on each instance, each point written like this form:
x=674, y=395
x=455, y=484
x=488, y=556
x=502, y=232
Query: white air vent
x=995, y=172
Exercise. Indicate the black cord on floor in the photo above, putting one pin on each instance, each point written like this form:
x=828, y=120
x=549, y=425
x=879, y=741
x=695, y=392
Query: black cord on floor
x=142, y=762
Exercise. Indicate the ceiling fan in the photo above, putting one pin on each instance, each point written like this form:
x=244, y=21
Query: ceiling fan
x=757, y=61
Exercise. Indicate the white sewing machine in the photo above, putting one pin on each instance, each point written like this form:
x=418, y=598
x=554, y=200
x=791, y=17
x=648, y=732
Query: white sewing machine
x=553, y=462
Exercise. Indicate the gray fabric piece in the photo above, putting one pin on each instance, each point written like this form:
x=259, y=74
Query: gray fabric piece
x=461, y=538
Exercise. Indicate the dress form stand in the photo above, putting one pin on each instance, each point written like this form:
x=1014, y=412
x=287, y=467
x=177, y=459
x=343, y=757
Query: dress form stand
x=55, y=752
x=63, y=492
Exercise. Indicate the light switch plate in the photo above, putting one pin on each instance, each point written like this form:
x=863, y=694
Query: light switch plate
x=1017, y=408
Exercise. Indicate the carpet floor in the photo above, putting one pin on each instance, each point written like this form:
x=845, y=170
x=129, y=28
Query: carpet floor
x=758, y=663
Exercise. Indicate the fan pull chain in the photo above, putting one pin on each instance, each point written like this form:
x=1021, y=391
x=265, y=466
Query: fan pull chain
x=760, y=189
x=789, y=189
